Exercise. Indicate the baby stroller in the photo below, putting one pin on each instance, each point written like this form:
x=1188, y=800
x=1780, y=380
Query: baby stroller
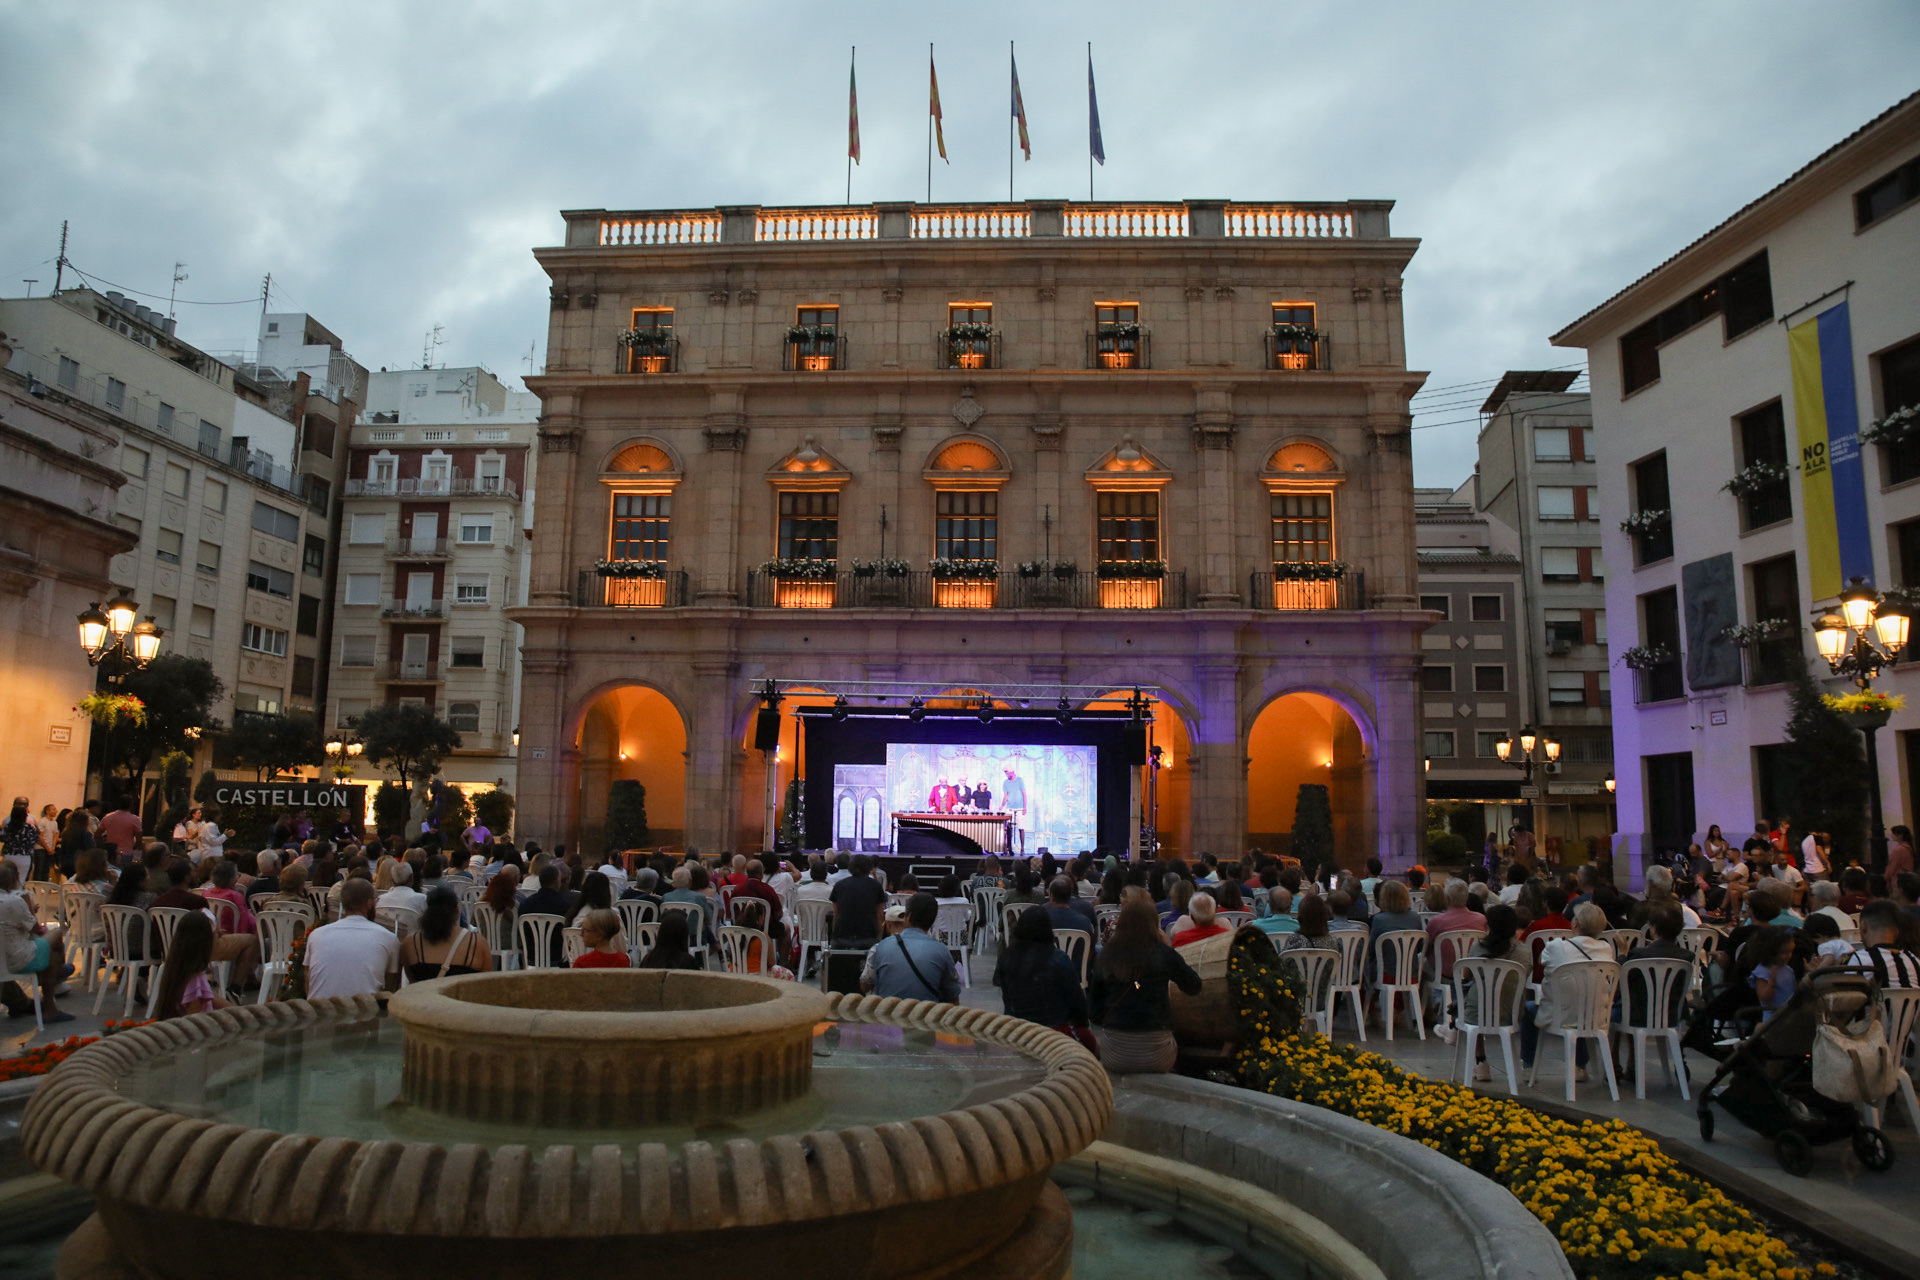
x=1766, y=1081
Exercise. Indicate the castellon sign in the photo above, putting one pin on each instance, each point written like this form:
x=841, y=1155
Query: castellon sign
x=292, y=795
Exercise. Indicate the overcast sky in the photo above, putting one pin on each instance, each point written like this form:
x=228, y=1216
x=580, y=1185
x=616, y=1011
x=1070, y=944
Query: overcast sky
x=392, y=163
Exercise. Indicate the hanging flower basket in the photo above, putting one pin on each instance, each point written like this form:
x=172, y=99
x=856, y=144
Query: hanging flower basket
x=1754, y=477
x=1894, y=428
x=1047, y=568
x=880, y=568
x=1644, y=523
x=1646, y=657
x=1866, y=710
x=630, y=568
x=1123, y=329
x=1748, y=634
x=1131, y=570
x=947, y=570
x=110, y=708
x=801, y=570
x=1309, y=570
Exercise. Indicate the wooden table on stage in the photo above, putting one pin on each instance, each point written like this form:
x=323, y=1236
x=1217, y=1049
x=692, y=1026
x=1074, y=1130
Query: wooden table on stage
x=991, y=831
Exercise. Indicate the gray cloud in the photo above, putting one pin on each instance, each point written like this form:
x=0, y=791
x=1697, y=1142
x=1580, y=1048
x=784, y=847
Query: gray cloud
x=392, y=164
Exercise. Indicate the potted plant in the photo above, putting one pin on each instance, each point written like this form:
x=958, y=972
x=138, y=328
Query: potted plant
x=630, y=568
x=1646, y=657
x=650, y=348
x=109, y=708
x=1746, y=635
x=1047, y=568
x=789, y=569
x=1309, y=570
x=946, y=569
x=880, y=568
x=1754, y=477
x=1643, y=524
x=1866, y=709
x=1131, y=570
x=1895, y=428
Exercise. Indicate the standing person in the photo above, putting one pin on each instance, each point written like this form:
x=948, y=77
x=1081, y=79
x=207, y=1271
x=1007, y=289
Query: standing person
x=1490, y=856
x=187, y=829
x=1130, y=993
x=940, y=799
x=353, y=956
x=1813, y=862
x=476, y=838
x=1013, y=801
x=1899, y=856
x=74, y=841
x=210, y=839
x=1781, y=837
x=20, y=838
x=1522, y=840
x=121, y=829
x=48, y=824
x=982, y=797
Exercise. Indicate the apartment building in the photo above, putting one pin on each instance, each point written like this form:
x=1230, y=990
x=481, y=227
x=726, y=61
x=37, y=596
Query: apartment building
x=434, y=552
x=1750, y=464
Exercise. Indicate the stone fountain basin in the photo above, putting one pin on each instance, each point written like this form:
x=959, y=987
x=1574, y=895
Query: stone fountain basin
x=961, y=1194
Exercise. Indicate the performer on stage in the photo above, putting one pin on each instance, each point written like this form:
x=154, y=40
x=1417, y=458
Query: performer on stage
x=962, y=797
x=983, y=797
x=1013, y=801
x=941, y=798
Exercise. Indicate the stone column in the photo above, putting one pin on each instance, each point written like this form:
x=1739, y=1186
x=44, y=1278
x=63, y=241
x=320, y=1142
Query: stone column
x=719, y=577
x=714, y=759
x=1217, y=767
x=1215, y=581
x=1392, y=575
x=1394, y=771
x=552, y=565
x=542, y=803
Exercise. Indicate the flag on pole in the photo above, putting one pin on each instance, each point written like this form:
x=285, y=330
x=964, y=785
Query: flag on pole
x=1020, y=114
x=939, y=132
x=853, y=117
x=1095, y=147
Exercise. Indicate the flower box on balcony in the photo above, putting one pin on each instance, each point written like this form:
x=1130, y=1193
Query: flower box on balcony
x=1132, y=570
x=630, y=568
x=1062, y=569
x=976, y=570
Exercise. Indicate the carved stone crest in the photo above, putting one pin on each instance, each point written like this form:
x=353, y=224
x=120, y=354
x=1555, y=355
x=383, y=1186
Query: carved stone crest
x=967, y=410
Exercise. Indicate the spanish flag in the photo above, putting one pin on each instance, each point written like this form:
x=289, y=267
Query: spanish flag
x=1019, y=109
x=939, y=133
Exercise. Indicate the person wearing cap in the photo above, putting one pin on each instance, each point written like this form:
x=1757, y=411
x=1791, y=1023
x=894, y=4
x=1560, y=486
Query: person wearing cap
x=912, y=963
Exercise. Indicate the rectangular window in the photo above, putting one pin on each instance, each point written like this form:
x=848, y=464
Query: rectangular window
x=1128, y=526
x=319, y=493
x=307, y=622
x=133, y=461
x=1651, y=498
x=1488, y=609
x=1564, y=630
x=1566, y=689
x=362, y=588
x=1442, y=605
x=1302, y=528
x=303, y=675
x=1489, y=679
x=969, y=336
x=1291, y=348
x=116, y=394
x=69, y=376
x=382, y=471
x=176, y=482
x=347, y=712
x=641, y=526
x=809, y=526
x=263, y=639
x=1556, y=502
x=1599, y=626
x=966, y=526
x=209, y=439
x=1116, y=335
x=264, y=577
x=476, y=530
x=815, y=341
x=1744, y=296
x=367, y=528
x=1884, y=196
x=209, y=561
x=1486, y=744
x=1436, y=679
x=164, y=608
x=130, y=523
x=1660, y=629
x=493, y=474
x=1439, y=744
x=1763, y=443
x=167, y=547
x=163, y=417
x=463, y=717
x=356, y=651
x=1552, y=444
x=272, y=520
x=1774, y=593
x=201, y=627
x=213, y=495
x=468, y=651
x=654, y=320
x=313, y=557
x=1907, y=543
x=1900, y=388
x=470, y=590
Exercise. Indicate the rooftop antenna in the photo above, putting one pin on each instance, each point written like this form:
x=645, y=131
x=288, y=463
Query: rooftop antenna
x=427, y=345
x=528, y=359
x=30, y=284
x=60, y=264
x=266, y=292
x=178, y=276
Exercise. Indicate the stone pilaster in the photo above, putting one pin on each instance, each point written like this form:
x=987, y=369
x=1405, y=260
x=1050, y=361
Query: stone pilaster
x=720, y=574
x=1217, y=581
x=545, y=782
x=552, y=557
x=714, y=757
x=1217, y=767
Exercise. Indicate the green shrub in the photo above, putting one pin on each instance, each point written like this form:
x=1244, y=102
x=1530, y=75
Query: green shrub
x=1445, y=847
x=494, y=810
x=626, y=815
x=390, y=808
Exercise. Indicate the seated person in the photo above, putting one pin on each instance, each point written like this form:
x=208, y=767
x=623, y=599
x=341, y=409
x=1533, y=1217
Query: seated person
x=1199, y=923
x=600, y=931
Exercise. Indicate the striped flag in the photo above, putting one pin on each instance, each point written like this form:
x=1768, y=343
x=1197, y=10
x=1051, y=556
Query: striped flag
x=939, y=132
x=1095, y=147
x=853, y=116
x=1020, y=112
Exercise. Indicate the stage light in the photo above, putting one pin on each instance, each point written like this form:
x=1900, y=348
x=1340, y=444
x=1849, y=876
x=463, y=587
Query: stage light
x=1063, y=711
x=840, y=707
x=916, y=710
x=986, y=711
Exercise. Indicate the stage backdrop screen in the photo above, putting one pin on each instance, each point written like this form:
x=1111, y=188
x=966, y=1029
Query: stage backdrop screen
x=1059, y=781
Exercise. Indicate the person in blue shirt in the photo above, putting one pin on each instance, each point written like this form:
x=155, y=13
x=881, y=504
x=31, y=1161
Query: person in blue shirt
x=1013, y=800
x=1279, y=918
x=913, y=964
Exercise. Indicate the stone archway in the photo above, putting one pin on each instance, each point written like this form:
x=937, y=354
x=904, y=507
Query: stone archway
x=1171, y=791
x=633, y=731
x=1308, y=738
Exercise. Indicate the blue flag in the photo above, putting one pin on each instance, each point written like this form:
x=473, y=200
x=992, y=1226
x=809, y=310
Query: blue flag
x=1095, y=146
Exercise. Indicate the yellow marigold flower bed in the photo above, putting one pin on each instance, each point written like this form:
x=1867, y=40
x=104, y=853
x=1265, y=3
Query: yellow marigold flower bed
x=1619, y=1206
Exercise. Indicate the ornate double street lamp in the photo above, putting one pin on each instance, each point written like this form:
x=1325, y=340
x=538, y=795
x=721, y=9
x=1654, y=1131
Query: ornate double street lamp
x=115, y=642
x=1867, y=633
x=1523, y=753
x=344, y=752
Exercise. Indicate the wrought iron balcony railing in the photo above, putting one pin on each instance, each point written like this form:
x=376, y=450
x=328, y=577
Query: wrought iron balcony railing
x=668, y=591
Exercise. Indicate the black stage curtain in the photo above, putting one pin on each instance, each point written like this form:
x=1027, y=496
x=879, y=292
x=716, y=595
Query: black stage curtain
x=863, y=740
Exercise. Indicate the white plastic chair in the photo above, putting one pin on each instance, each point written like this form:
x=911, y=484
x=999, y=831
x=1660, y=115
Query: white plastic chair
x=1538, y=940
x=987, y=901
x=1317, y=967
x=1010, y=913
x=86, y=935
x=573, y=945
x=747, y=912
x=498, y=930
x=47, y=907
x=1234, y=919
x=166, y=922
x=1657, y=980
x=1078, y=944
x=469, y=892
x=1404, y=951
x=953, y=926
x=33, y=980
x=640, y=940
x=1352, y=946
x=534, y=932
x=696, y=925
x=1449, y=949
x=277, y=930
x=1104, y=918
x=1623, y=940
x=1703, y=942
x=1583, y=992
x=1899, y=1009
x=1488, y=995
x=813, y=919
x=737, y=943
x=635, y=912
x=319, y=898
x=126, y=933
x=400, y=920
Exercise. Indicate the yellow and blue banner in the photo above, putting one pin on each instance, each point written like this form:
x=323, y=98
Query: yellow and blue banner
x=1832, y=480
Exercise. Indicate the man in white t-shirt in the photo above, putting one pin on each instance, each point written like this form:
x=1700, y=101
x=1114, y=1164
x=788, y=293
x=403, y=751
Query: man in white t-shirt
x=403, y=894
x=1810, y=860
x=353, y=956
x=1789, y=875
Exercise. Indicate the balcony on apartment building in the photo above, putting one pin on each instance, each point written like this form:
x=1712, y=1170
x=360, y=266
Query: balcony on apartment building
x=413, y=608
x=455, y=485
x=409, y=671
x=419, y=548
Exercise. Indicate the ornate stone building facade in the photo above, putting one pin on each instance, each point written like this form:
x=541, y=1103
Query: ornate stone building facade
x=1001, y=449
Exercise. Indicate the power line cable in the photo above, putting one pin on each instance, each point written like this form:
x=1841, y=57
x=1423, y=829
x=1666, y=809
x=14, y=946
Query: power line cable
x=183, y=302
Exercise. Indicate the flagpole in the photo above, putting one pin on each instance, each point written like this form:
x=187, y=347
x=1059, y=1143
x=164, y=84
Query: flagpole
x=1010, y=73
x=1089, y=123
x=929, y=126
x=852, y=50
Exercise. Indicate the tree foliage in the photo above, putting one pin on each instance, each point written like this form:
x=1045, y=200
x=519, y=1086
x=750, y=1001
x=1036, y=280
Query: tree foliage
x=1312, y=828
x=274, y=744
x=493, y=809
x=169, y=800
x=1828, y=765
x=179, y=693
x=406, y=737
x=456, y=815
x=390, y=808
x=205, y=789
x=626, y=815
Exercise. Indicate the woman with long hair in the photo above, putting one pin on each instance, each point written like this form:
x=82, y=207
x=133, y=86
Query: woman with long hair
x=1179, y=898
x=75, y=838
x=1037, y=980
x=1110, y=886
x=184, y=988
x=500, y=893
x=1315, y=921
x=20, y=839
x=441, y=948
x=130, y=890
x=1130, y=993
x=670, y=946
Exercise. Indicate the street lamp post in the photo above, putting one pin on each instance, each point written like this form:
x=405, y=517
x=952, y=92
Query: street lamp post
x=1523, y=753
x=1867, y=633
x=116, y=643
x=344, y=752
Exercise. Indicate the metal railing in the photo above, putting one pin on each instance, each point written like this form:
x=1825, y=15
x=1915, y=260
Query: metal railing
x=1114, y=351
x=1267, y=590
x=1774, y=661
x=419, y=548
x=950, y=352
x=814, y=355
x=666, y=592
x=1769, y=504
x=453, y=486
x=401, y=669
x=1010, y=590
x=1663, y=683
x=1296, y=354
x=633, y=360
x=414, y=609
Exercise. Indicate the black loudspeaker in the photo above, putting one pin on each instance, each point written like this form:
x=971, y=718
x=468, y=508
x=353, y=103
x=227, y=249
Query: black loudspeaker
x=766, y=730
x=1134, y=739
